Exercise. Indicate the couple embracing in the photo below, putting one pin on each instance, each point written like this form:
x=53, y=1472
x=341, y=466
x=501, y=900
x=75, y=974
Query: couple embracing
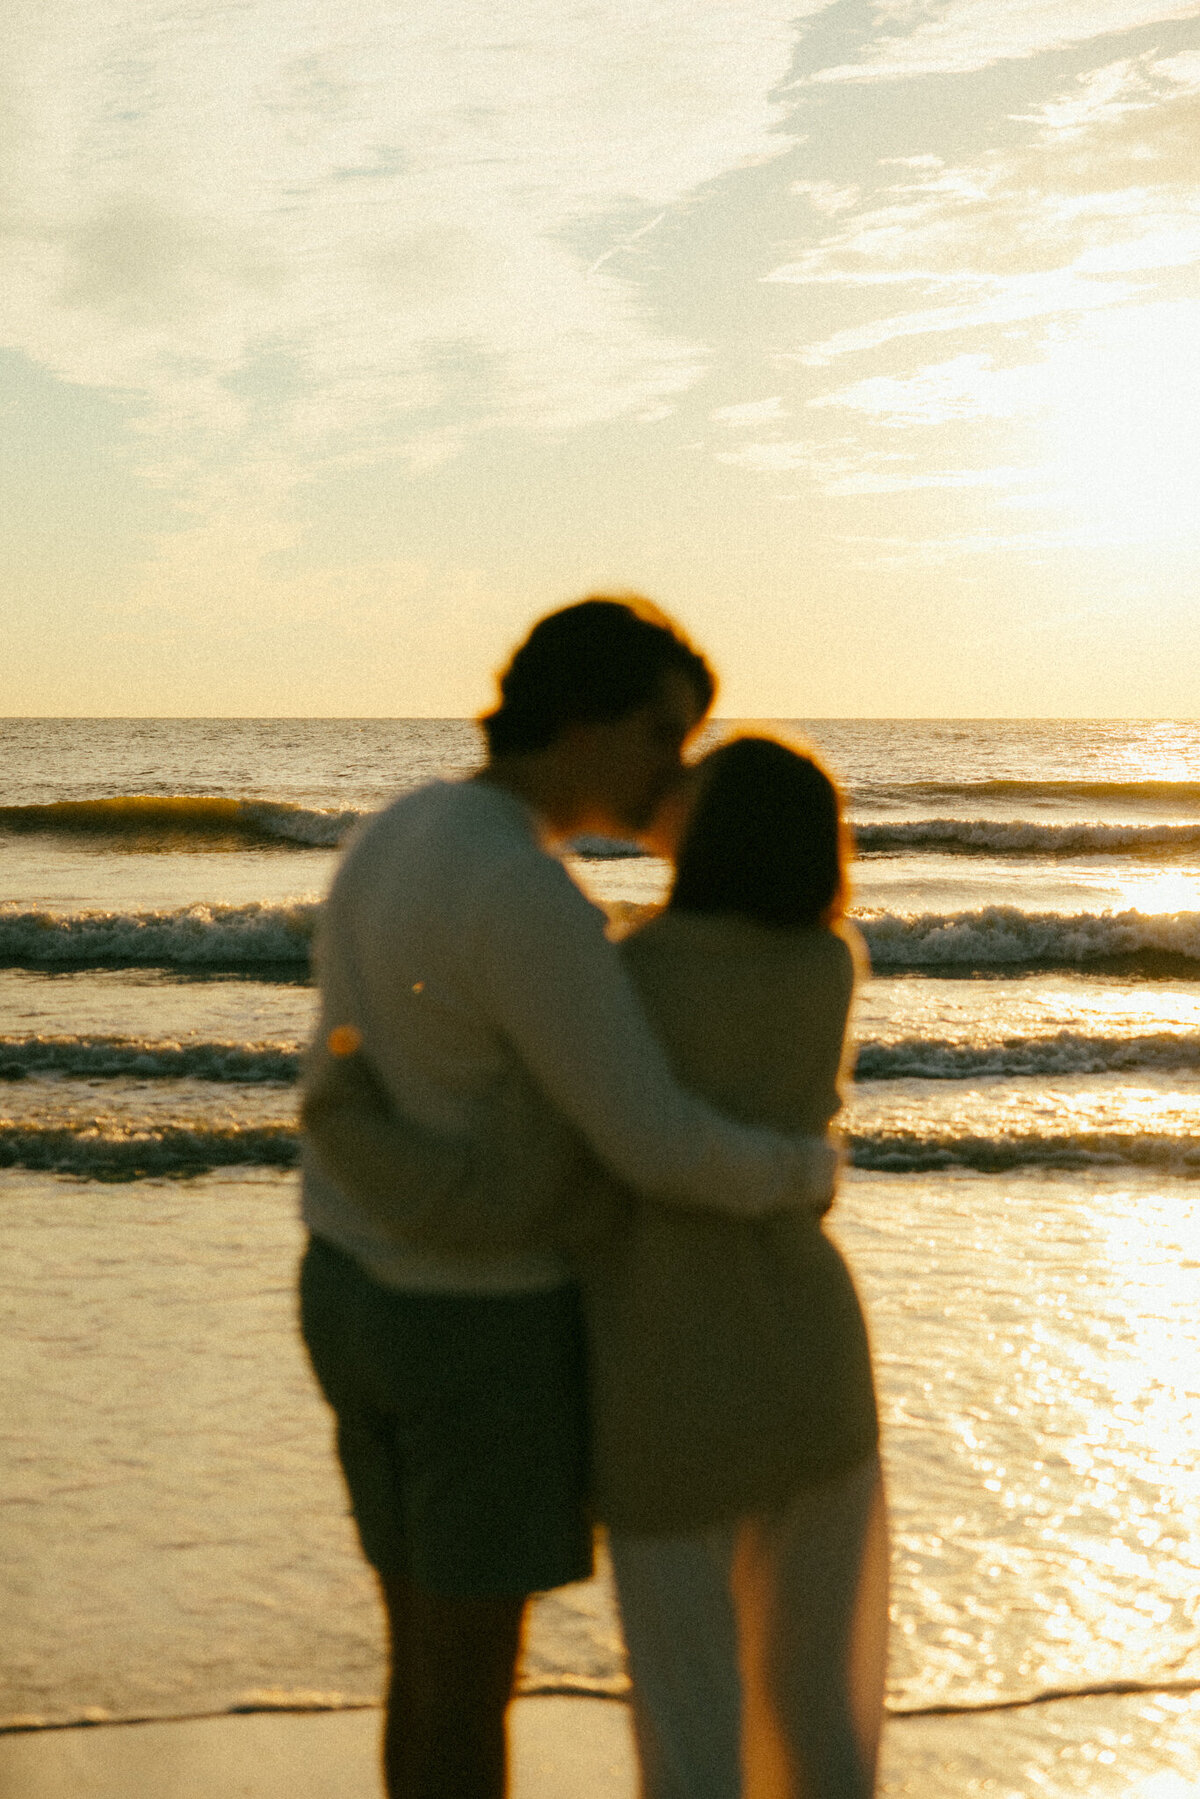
x=566, y=1258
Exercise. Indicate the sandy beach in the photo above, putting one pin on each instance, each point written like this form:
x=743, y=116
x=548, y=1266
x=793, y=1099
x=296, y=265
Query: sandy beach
x=1135, y=1746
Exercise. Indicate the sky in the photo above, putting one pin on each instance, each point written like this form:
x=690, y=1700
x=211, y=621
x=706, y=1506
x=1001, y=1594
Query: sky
x=339, y=343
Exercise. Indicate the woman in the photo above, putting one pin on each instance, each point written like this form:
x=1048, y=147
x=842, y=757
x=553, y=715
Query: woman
x=735, y=1434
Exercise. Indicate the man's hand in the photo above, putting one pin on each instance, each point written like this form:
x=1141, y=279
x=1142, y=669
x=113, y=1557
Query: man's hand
x=819, y=1163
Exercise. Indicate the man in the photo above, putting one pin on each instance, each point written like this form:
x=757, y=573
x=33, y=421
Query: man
x=457, y=955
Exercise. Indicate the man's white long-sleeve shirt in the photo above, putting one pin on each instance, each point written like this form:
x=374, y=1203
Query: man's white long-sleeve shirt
x=465, y=955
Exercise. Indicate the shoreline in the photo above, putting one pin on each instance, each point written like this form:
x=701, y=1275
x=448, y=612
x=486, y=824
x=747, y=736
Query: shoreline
x=570, y=1746
x=302, y=1705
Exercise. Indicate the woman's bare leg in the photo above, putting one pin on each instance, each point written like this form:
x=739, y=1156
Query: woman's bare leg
x=677, y=1616
x=810, y=1595
x=758, y=1652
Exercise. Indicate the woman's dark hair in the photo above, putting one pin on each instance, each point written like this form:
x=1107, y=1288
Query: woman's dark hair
x=765, y=839
x=591, y=663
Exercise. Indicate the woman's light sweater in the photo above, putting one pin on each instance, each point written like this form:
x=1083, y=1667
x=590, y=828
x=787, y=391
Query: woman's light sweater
x=730, y=1361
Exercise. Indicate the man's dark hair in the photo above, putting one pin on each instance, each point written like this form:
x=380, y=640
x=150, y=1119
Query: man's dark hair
x=765, y=839
x=590, y=663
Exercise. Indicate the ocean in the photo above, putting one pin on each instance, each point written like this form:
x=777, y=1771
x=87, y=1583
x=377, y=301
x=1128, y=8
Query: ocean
x=1020, y=1213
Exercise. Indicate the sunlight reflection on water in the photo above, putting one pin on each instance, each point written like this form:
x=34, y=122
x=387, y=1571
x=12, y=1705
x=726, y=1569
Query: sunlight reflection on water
x=1039, y=1357
x=1038, y=1349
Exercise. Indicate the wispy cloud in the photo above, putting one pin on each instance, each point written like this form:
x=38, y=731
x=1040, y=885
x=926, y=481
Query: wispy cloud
x=953, y=37
x=880, y=481
x=1012, y=301
x=1105, y=191
x=776, y=456
x=290, y=235
x=750, y=413
x=846, y=471
x=1057, y=282
x=350, y=196
x=965, y=387
x=895, y=551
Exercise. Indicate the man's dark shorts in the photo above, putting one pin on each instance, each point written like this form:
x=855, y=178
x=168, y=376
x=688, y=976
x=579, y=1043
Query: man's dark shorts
x=461, y=1427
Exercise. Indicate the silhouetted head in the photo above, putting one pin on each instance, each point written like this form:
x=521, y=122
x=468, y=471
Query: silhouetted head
x=591, y=663
x=595, y=708
x=764, y=839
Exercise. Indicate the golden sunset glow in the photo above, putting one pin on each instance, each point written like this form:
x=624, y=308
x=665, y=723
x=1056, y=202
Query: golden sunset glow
x=333, y=348
x=1123, y=429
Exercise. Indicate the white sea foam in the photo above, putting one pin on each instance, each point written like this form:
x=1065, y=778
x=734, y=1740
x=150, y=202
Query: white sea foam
x=200, y=936
x=1006, y=937
x=260, y=935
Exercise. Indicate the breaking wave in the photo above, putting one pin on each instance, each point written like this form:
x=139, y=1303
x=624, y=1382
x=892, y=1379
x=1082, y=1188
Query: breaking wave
x=1018, y=837
x=106, y=1149
x=915, y=1152
x=1005, y=937
x=192, y=937
x=196, y=819
x=915, y=1058
x=148, y=1059
x=259, y=936
x=1063, y=1053
x=1184, y=794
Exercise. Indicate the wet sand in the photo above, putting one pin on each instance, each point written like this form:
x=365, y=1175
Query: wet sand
x=1137, y=1746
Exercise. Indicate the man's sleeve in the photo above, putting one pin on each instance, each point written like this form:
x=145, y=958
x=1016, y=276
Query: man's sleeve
x=552, y=982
